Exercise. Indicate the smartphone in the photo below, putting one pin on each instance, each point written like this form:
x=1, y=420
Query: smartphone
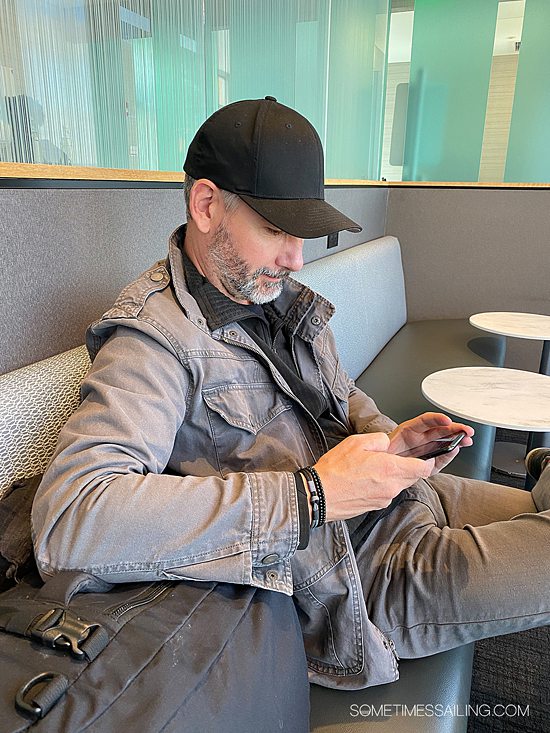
x=435, y=447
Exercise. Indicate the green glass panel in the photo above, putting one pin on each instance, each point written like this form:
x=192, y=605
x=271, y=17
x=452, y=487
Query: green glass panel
x=263, y=52
x=178, y=72
x=449, y=82
x=47, y=111
x=145, y=105
x=311, y=65
x=528, y=156
x=105, y=54
x=355, y=88
x=279, y=49
x=325, y=59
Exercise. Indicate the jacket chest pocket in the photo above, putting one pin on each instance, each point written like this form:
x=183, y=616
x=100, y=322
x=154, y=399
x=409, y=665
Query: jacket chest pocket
x=252, y=426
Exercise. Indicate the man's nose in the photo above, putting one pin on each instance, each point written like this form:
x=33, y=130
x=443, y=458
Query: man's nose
x=291, y=255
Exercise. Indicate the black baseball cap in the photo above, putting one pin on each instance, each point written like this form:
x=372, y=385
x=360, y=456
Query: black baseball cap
x=272, y=158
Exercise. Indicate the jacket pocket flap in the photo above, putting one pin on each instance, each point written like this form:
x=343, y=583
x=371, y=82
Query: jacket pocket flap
x=246, y=406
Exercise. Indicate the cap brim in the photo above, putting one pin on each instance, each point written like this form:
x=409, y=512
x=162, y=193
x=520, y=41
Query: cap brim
x=304, y=218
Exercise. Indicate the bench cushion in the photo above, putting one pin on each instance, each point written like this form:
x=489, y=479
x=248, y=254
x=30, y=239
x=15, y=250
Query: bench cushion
x=35, y=403
x=366, y=285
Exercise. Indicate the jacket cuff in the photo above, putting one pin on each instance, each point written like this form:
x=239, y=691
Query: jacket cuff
x=275, y=529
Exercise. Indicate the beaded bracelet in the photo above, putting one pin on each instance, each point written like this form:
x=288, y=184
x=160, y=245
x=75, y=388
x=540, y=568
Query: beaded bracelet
x=317, y=497
x=321, y=493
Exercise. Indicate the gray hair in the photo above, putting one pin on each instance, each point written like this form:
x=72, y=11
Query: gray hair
x=230, y=200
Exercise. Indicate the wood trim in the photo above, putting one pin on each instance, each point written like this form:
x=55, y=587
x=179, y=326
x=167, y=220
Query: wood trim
x=465, y=184
x=76, y=173
x=353, y=182
x=431, y=184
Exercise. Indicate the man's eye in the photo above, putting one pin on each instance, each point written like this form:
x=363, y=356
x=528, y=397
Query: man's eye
x=274, y=232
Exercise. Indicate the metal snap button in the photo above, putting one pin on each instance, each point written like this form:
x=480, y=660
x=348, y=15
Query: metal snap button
x=156, y=277
x=316, y=320
x=268, y=559
x=272, y=575
x=233, y=334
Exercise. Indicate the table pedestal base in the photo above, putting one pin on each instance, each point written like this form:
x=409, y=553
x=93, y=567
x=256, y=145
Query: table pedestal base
x=508, y=458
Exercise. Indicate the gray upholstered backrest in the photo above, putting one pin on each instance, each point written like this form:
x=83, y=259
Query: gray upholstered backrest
x=366, y=285
x=35, y=402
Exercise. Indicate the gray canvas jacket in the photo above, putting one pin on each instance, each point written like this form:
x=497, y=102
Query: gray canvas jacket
x=179, y=464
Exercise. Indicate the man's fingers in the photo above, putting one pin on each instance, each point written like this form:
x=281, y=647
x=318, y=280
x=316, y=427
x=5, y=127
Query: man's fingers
x=444, y=460
x=373, y=441
x=433, y=419
x=416, y=468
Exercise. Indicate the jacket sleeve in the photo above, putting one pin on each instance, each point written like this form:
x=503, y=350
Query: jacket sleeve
x=364, y=415
x=105, y=506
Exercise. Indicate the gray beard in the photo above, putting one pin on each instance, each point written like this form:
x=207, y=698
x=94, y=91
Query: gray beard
x=234, y=275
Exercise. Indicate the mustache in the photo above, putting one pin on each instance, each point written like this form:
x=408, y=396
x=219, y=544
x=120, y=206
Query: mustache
x=272, y=273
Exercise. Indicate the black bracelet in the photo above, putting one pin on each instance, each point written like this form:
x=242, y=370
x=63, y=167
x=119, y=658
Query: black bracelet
x=303, y=510
x=313, y=501
x=318, y=501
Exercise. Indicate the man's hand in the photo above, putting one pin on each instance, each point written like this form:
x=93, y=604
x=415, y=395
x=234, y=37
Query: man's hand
x=427, y=427
x=360, y=475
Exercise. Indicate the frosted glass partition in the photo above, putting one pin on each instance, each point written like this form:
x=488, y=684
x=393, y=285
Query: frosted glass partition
x=452, y=49
x=528, y=149
x=125, y=83
x=356, y=89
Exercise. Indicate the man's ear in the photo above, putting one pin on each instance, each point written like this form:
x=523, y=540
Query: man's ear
x=205, y=205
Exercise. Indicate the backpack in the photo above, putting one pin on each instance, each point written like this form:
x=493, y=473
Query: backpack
x=78, y=654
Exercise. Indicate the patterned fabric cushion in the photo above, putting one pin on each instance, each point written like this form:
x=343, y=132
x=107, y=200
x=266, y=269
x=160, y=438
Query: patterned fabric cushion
x=35, y=402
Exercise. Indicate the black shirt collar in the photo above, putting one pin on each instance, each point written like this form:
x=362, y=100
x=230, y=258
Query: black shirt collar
x=217, y=308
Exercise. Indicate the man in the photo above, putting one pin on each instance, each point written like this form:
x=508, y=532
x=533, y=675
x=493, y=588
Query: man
x=219, y=439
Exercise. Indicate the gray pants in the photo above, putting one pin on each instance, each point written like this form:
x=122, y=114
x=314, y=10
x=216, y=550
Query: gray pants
x=458, y=560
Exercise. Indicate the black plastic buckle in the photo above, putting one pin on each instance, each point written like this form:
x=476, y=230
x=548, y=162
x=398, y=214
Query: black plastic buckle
x=61, y=629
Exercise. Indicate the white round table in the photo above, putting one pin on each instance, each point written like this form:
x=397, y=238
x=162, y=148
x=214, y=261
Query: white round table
x=505, y=398
x=518, y=325
x=508, y=457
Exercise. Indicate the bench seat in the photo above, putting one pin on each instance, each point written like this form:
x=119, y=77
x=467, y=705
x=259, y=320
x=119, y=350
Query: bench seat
x=419, y=348
x=442, y=681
